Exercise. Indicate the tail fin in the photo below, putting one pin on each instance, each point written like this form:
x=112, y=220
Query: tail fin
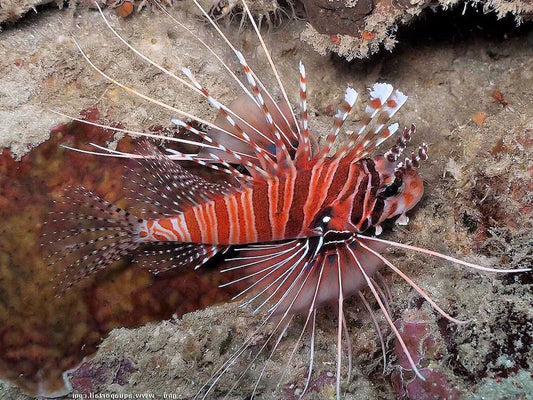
x=86, y=234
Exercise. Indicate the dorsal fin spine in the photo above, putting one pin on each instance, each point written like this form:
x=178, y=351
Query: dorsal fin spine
x=384, y=98
x=350, y=98
x=223, y=148
x=230, y=45
x=266, y=162
x=282, y=154
x=274, y=70
x=303, y=153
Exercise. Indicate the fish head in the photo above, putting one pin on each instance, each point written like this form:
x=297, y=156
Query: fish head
x=401, y=195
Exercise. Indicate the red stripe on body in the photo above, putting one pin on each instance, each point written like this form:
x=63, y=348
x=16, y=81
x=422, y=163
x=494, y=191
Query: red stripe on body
x=162, y=230
x=165, y=224
x=321, y=178
x=341, y=179
x=199, y=215
x=273, y=198
x=296, y=213
x=195, y=234
x=223, y=222
x=184, y=229
x=280, y=196
x=158, y=237
x=159, y=230
x=242, y=224
x=233, y=219
x=343, y=203
x=359, y=202
x=261, y=212
x=288, y=198
x=370, y=197
x=212, y=223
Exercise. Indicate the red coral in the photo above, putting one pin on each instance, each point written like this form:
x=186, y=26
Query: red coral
x=423, y=345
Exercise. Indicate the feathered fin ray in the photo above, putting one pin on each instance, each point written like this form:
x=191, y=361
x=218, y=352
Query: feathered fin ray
x=86, y=234
x=164, y=188
x=268, y=271
x=299, y=276
x=159, y=257
x=260, y=133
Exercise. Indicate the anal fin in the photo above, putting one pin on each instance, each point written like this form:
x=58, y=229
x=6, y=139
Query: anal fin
x=159, y=257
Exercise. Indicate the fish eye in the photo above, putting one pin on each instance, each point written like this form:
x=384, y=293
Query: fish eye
x=322, y=220
x=391, y=190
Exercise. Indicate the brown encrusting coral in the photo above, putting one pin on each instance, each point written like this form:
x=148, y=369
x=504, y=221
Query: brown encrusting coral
x=45, y=331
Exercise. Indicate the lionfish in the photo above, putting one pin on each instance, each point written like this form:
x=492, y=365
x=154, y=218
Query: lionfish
x=295, y=217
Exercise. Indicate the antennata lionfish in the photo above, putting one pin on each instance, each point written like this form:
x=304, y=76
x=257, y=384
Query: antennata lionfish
x=295, y=215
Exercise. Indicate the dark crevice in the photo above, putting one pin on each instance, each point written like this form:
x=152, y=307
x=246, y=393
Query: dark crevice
x=437, y=27
x=458, y=25
x=29, y=17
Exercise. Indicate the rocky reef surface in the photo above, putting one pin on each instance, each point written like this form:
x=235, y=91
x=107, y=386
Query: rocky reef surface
x=471, y=100
x=353, y=29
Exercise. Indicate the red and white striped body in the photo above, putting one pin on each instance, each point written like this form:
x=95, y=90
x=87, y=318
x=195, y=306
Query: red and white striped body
x=289, y=206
